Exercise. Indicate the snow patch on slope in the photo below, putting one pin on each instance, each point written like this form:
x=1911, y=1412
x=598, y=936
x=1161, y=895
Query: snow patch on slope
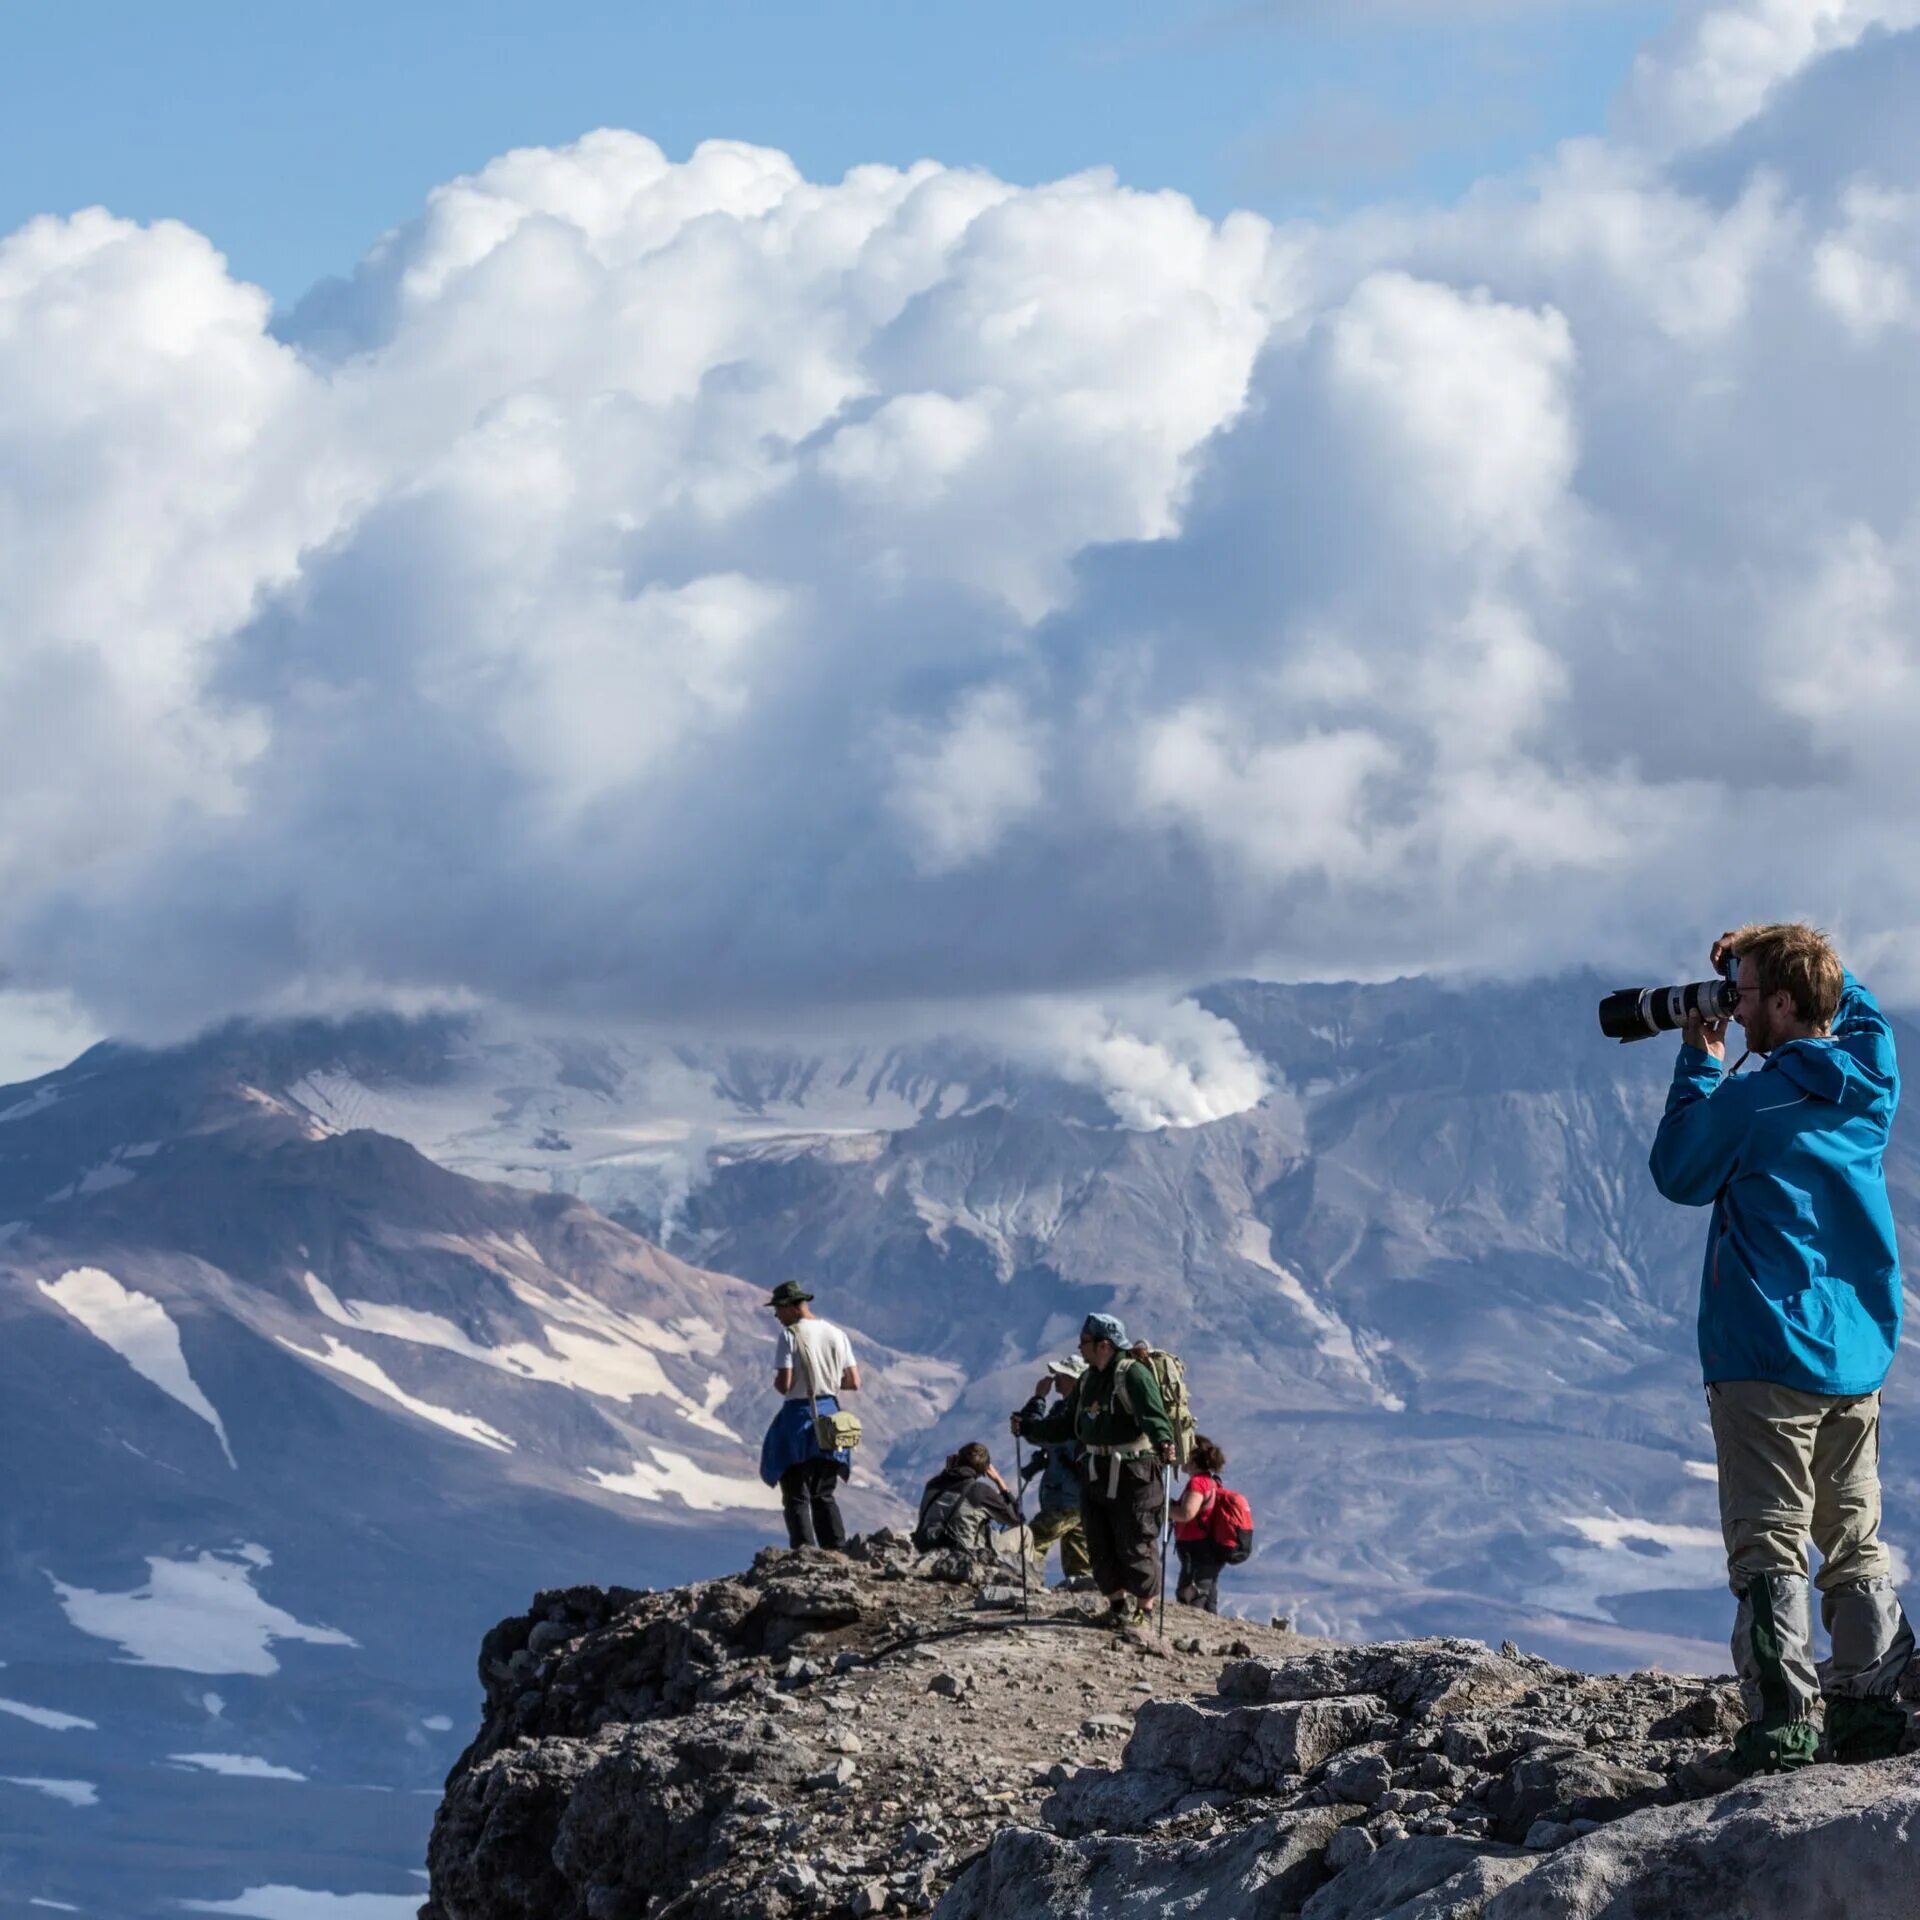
x=236, y=1766
x=342, y=1359
x=299, y=1903
x=1332, y=1336
x=1620, y=1555
x=198, y=1616
x=589, y=1346
x=137, y=1327
x=46, y=1717
x=76, y=1793
x=36, y=1102
x=673, y=1472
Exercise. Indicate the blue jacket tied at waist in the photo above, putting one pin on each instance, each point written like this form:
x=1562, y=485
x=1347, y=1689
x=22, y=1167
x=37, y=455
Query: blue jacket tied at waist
x=790, y=1440
x=1801, y=1285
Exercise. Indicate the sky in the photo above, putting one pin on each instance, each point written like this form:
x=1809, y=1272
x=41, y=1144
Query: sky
x=595, y=526
x=294, y=136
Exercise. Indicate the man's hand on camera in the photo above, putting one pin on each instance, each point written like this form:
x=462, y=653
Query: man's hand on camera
x=1722, y=950
x=1708, y=1035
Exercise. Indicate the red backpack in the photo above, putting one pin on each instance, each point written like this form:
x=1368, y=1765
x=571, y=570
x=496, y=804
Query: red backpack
x=1230, y=1525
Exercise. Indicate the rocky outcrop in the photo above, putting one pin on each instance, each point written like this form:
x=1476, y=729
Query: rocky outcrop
x=1448, y=1783
x=883, y=1734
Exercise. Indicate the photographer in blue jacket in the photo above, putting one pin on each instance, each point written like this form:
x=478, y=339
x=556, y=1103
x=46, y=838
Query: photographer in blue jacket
x=1799, y=1319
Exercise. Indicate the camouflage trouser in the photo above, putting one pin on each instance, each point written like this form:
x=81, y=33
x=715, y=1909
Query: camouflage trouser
x=1794, y=1465
x=1062, y=1524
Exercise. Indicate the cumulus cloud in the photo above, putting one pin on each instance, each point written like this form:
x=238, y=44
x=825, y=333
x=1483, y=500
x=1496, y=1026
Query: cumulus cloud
x=1157, y=1062
x=686, y=591
x=1724, y=60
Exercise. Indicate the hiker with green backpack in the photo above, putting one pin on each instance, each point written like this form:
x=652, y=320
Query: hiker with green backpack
x=1117, y=1414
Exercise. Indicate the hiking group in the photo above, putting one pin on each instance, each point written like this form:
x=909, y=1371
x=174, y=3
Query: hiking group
x=1119, y=1428
x=1799, y=1319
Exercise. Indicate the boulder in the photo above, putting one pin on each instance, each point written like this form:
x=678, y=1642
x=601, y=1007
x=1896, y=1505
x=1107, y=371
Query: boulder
x=1398, y=1876
x=1252, y=1748
x=1820, y=1844
x=1568, y=1784
x=1127, y=1801
x=1422, y=1679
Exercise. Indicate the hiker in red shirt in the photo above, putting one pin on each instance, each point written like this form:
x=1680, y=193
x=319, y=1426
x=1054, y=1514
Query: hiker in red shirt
x=1201, y=1556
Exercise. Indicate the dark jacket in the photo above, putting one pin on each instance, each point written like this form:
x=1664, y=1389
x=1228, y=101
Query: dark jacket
x=958, y=1508
x=1093, y=1415
x=1058, y=1465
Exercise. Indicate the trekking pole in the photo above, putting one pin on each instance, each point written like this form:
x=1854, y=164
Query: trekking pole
x=1020, y=1509
x=1166, y=1534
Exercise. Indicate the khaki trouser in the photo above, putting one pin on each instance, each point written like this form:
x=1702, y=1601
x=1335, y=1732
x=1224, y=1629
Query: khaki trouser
x=1795, y=1465
x=1062, y=1524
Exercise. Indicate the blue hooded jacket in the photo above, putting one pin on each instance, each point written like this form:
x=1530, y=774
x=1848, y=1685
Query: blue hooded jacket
x=1801, y=1285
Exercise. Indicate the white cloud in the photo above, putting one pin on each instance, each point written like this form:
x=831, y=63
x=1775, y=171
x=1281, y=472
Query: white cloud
x=688, y=592
x=1722, y=63
x=959, y=789
x=1156, y=1062
x=1863, y=269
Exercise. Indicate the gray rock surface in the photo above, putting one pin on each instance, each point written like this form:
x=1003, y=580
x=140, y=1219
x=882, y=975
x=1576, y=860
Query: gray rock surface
x=1395, y=1879
x=1829, y=1843
x=769, y=1748
x=1255, y=1874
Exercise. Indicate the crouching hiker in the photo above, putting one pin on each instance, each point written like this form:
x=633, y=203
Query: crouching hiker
x=813, y=1365
x=1114, y=1411
x=1059, y=1469
x=962, y=1504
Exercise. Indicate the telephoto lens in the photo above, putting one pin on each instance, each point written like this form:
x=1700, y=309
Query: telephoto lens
x=1638, y=1013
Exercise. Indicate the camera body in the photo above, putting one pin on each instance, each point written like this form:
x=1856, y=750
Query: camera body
x=1638, y=1013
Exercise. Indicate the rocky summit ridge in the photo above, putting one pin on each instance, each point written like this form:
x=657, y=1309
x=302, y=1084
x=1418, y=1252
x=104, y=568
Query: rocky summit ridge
x=888, y=1733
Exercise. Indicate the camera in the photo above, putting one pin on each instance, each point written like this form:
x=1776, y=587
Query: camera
x=1638, y=1013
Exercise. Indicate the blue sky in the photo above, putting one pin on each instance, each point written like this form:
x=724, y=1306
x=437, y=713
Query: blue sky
x=293, y=136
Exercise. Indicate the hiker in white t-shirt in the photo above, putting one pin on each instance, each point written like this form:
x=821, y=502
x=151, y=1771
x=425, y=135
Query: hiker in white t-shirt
x=813, y=1365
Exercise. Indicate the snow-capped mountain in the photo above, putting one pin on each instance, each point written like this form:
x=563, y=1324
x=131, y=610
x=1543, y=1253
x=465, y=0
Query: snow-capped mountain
x=627, y=1124
x=289, y=1413
x=296, y=1407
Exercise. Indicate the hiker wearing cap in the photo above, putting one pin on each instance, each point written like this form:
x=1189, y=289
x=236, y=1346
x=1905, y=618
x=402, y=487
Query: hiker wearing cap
x=1059, y=1469
x=813, y=1365
x=1115, y=1412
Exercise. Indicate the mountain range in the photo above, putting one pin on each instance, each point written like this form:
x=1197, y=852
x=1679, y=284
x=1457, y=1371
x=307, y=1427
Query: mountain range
x=326, y=1343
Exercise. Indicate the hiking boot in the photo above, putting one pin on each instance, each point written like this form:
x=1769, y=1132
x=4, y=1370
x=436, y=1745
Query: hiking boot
x=1780, y=1748
x=1860, y=1730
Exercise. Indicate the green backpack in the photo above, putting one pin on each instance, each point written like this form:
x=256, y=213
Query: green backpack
x=1170, y=1376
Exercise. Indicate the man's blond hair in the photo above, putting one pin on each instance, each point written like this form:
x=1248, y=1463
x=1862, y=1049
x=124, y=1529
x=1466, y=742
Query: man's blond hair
x=1791, y=957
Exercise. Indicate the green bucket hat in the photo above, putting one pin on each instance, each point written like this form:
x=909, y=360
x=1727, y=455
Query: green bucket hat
x=789, y=1293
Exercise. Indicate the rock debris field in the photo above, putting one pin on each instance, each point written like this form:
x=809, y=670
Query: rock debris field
x=886, y=1734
